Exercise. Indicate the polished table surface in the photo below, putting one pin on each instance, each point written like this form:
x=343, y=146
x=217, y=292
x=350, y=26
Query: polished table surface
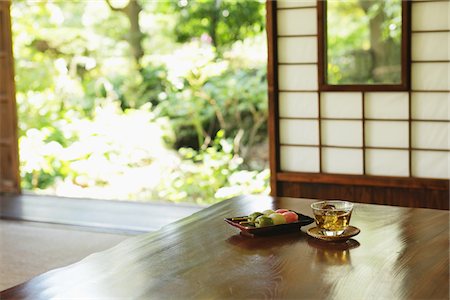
x=401, y=253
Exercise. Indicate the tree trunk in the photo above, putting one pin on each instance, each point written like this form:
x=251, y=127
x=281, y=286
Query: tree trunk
x=135, y=36
x=214, y=21
x=382, y=49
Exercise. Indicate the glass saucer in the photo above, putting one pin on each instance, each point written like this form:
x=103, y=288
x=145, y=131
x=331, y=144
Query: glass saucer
x=351, y=231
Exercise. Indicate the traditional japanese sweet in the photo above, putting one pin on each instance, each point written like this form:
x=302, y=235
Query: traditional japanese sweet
x=268, y=217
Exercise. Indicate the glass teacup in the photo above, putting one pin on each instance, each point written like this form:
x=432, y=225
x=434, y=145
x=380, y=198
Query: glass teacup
x=332, y=216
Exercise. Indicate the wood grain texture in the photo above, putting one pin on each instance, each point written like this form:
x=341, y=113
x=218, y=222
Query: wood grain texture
x=398, y=191
x=9, y=161
x=397, y=196
x=29, y=249
x=381, y=181
x=106, y=215
x=401, y=253
x=272, y=82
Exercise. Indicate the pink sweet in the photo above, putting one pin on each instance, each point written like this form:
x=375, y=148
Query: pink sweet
x=290, y=216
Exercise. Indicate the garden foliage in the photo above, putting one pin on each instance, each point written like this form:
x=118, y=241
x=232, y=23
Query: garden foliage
x=182, y=120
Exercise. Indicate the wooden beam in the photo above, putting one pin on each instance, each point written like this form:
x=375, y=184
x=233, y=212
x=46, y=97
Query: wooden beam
x=5, y=142
x=272, y=81
x=9, y=158
x=360, y=180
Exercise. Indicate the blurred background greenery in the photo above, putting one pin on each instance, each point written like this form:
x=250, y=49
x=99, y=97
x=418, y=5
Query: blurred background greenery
x=142, y=100
x=364, y=42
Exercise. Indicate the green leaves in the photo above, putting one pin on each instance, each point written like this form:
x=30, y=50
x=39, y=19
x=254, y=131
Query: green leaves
x=219, y=22
x=212, y=174
x=176, y=126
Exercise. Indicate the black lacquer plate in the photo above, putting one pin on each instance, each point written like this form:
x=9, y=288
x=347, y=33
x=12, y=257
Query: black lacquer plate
x=274, y=229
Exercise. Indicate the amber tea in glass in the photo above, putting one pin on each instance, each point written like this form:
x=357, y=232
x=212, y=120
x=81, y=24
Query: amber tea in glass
x=332, y=217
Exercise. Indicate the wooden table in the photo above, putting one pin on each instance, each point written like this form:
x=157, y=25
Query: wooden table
x=401, y=253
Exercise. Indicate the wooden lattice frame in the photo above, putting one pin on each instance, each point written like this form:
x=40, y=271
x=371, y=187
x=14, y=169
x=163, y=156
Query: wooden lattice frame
x=426, y=192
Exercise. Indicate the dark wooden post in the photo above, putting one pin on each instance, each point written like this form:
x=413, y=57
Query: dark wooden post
x=9, y=158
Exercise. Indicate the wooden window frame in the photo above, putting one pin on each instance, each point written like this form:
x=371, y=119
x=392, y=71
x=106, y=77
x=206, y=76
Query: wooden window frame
x=405, y=55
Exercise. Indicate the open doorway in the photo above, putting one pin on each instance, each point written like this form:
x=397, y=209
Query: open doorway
x=139, y=100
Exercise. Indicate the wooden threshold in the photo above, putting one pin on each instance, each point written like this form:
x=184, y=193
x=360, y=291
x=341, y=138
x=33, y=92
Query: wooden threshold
x=114, y=216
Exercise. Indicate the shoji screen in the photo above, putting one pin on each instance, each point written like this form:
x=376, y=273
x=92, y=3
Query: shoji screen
x=378, y=146
x=430, y=95
x=9, y=178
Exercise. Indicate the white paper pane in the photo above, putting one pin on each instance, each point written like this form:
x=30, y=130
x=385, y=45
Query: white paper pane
x=387, y=134
x=299, y=159
x=342, y=161
x=297, y=50
x=431, y=164
x=387, y=162
x=430, y=46
x=302, y=132
x=430, y=76
x=341, y=105
x=297, y=21
x=430, y=16
x=430, y=106
x=386, y=105
x=295, y=3
x=430, y=135
x=342, y=133
x=292, y=78
x=298, y=105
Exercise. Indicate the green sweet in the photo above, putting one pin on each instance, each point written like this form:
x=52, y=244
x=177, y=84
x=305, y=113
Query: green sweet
x=277, y=218
x=252, y=217
x=268, y=212
x=263, y=221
